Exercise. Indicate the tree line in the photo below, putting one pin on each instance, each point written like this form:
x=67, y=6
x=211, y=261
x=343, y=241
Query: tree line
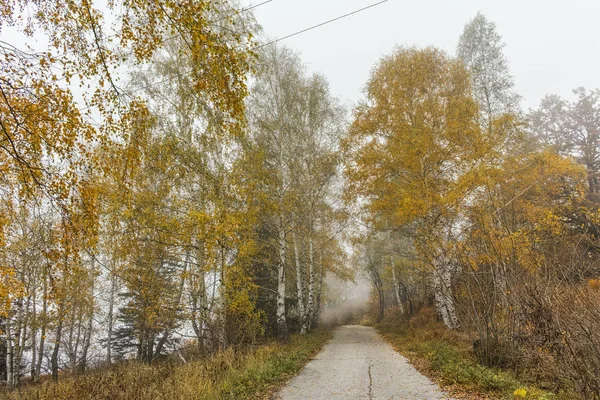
x=189, y=205
x=485, y=211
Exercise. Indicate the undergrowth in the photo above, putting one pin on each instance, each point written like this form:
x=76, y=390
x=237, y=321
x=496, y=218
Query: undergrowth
x=448, y=357
x=227, y=375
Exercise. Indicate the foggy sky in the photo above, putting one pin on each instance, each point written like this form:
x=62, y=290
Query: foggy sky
x=552, y=46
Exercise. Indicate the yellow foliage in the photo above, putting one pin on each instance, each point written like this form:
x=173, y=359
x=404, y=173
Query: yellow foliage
x=79, y=158
x=520, y=393
x=10, y=288
x=415, y=147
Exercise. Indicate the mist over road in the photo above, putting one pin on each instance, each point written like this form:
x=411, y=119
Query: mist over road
x=358, y=364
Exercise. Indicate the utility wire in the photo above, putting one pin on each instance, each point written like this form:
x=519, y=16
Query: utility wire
x=323, y=23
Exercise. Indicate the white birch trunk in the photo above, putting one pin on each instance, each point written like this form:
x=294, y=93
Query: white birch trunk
x=41, y=349
x=20, y=336
x=299, y=287
x=283, y=181
x=33, y=336
x=10, y=373
x=444, y=299
x=281, y=318
x=311, y=281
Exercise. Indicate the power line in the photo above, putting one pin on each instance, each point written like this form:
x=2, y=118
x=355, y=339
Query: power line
x=237, y=12
x=323, y=23
x=243, y=10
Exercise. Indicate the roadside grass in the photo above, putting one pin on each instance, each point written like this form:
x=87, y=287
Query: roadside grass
x=250, y=374
x=448, y=358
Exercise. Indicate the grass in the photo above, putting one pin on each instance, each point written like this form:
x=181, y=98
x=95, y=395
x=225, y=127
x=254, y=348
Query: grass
x=228, y=375
x=448, y=358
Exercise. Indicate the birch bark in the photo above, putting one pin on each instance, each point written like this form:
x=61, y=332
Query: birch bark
x=281, y=317
x=299, y=287
x=444, y=298
x=311, y=282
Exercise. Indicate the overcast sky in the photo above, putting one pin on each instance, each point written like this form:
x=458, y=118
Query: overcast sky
x=553, y=46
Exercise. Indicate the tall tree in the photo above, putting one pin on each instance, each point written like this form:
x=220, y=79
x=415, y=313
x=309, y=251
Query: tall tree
x=415, y=153
x=296, y=125
x=480, y=48
x=276, y=111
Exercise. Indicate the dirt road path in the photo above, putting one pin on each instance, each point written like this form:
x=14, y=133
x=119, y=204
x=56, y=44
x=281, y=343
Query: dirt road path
x=358, y=364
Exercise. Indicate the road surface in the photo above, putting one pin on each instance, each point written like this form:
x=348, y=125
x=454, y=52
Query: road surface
x=358, y=364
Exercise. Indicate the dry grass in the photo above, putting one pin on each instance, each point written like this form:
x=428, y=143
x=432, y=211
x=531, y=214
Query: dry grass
x=447, y=357
x=228, y=375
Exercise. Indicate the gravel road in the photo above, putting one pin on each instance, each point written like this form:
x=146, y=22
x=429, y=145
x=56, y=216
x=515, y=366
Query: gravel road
x=358, y=364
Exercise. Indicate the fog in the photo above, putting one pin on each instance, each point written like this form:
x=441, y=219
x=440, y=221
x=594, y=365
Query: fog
x=344, y=302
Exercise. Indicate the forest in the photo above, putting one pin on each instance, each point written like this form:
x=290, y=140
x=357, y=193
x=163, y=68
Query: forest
x=174, y=186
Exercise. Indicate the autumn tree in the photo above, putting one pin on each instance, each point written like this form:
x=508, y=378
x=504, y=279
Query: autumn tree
x=296, y=125
x=276, y=112
x=572, y=129
x=415, y=153
x=57, y=138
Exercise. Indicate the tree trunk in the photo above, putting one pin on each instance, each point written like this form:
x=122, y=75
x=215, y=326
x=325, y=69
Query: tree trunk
x=54, y=359
x=380, y=296
x=17, y=336
x=223, y=342
x=70, y=348
x=501, y=284
x=396, y=285
x=319, y=288
x=111, y=306
x=88, y=331
x=299, y=287
x=444, y=299
x=86, y=343
x=23, y=337
x=33, y=335
x=10, y=372
x=282, y=328
x=408, y=298
x=198, y=299
x=38, y=367
x=311, y=281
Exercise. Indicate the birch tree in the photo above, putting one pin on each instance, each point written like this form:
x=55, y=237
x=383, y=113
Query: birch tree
x=480, y=48
x=276, y=110
x=415, y=148
x=52, y=137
